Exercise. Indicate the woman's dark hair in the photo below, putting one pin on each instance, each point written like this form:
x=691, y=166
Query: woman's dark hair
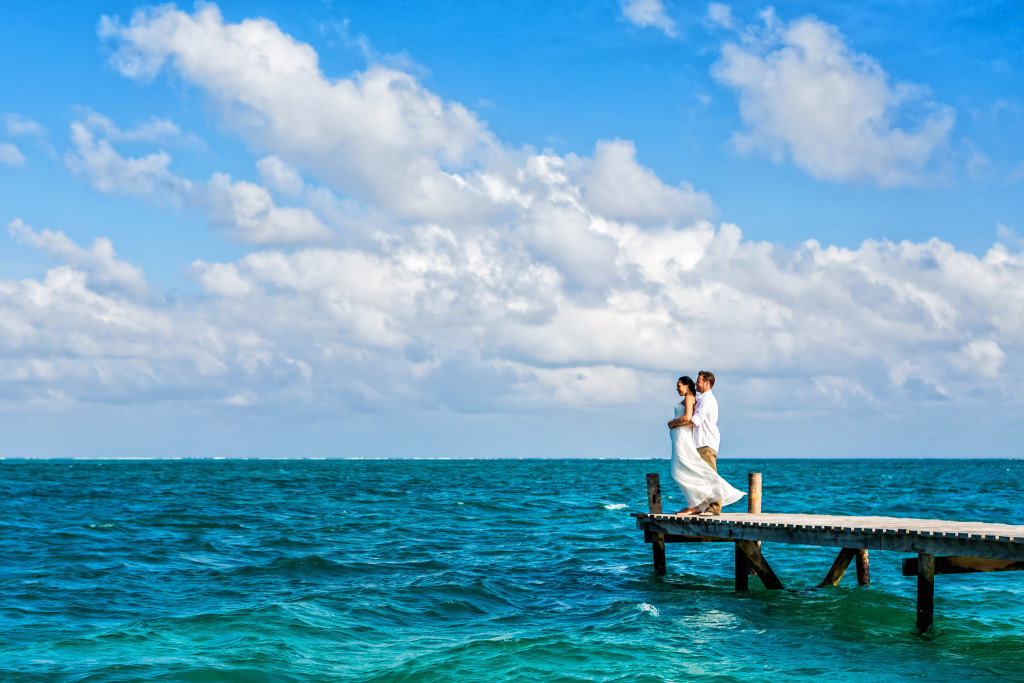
x=689, y=384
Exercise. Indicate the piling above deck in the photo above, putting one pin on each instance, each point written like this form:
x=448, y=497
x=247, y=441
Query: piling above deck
x=927, y=536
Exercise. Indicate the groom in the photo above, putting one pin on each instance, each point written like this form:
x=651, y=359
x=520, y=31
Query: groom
x=705, y=427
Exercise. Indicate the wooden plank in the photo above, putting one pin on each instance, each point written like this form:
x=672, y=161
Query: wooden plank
x=674, y=538
x=760, y=565
x=842, y=561
x=925, y=591
x=958, y=564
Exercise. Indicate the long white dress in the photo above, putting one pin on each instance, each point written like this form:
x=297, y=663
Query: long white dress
x=698, y=482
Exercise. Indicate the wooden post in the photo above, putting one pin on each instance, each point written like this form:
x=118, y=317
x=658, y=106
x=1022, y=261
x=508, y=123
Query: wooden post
x=743, y=569
x=754, y=492
x=654, y=503
x=863, y=572
x=925, y=591
x=753, y=507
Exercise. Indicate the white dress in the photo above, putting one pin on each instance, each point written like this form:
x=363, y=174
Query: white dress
x=698, y=482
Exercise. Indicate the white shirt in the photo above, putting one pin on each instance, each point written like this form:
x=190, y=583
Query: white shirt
x=705, y=421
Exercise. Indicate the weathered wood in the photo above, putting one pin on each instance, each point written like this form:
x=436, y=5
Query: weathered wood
x=934, y=537
x=654, y=493
x=754, y=498
x=925, y=591
x=754, y=493
x=742, y=569
x=760, y=565
x=675, y=538
x=863, y=568
x=657, y=538
x=838, y=567
x=958, y=564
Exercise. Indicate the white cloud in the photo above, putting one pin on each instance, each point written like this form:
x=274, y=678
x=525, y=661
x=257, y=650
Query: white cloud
x=10, y=154
x=154, y=130
x=107, y=171
x=101, y=264
x=982, y=356
x=615, y=186
x=16, y=124
x=379, y=136
x=591, y=281
x=720, y=15
x=804, y=94
x=244, y=211
x=646, y=13
x=247, y=212
x=280, y=176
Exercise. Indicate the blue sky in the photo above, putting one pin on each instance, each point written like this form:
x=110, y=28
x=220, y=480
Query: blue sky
x=446, y=229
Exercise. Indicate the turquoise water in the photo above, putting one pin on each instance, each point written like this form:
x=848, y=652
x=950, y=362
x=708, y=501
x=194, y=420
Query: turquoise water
x=471, y=571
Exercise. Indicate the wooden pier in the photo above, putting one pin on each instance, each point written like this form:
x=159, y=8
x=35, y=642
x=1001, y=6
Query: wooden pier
x=940, y=547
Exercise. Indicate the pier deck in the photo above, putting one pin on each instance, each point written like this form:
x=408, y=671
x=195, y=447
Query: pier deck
x=939, y=546
x=931, y=536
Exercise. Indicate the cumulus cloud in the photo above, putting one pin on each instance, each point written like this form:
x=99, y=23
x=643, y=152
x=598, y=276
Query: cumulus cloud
x=375, y=324
x=982, y=356
x=380, y=135
x=248, y=213
x=646, y=13
x=550, y=280
x=10, y=154
x=805, y=95
x=280, y=176
x=614, y=185
x=244, y=211
x=101, y=265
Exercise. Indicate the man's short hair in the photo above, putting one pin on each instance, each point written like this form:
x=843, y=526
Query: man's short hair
x=709, y=376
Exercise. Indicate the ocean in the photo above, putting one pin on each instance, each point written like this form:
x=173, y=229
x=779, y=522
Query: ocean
x=473, y=570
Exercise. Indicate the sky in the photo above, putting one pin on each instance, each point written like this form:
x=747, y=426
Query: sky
x=447, y=229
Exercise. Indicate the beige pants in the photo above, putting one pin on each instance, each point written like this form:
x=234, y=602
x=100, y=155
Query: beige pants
x=710, y=456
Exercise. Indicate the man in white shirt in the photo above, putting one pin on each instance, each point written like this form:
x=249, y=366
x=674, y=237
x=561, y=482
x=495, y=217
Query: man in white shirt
x=705, y=427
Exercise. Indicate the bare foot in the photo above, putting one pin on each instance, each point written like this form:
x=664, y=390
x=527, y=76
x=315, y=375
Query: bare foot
x=687, y=511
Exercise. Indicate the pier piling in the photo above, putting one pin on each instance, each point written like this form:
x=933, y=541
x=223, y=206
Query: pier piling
x=654, y=504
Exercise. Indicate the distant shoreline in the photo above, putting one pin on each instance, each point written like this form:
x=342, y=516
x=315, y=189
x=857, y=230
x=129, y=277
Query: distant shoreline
x=478, y=459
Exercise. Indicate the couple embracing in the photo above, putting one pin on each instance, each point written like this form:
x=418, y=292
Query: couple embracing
x=695, y=441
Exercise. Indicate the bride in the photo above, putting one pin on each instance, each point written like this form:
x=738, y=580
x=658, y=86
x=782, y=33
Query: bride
x=699, y=483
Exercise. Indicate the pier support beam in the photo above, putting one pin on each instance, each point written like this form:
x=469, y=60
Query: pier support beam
x=925, y=591
x=654, y=503
x=838, y=567
x=863, y=569
x=956, y=564
x=743, y=569
x=760, y=565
